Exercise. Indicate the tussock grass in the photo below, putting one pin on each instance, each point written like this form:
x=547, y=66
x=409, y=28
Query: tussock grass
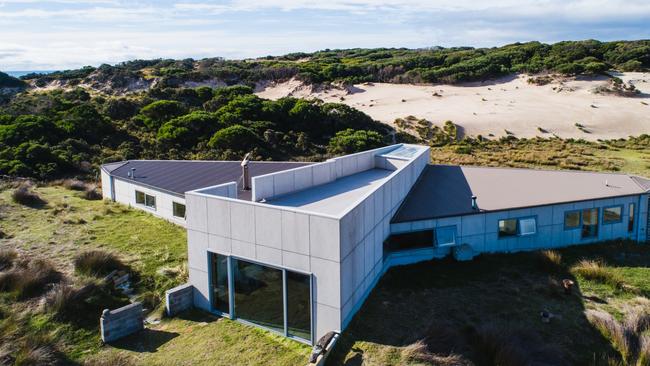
x=418, y=353
x=550, y=261
x=25, y=195
x=97, y=263
x=27, y=279
x=597, y=271
x=81, y=305
x=74, y=184
x=7, y=258
x=629, y=337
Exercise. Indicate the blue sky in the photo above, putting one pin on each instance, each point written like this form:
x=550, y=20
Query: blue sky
x=62, y=34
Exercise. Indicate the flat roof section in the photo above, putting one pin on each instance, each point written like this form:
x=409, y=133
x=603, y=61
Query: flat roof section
x=444, y=191
x=180, y=176
x=334, y=197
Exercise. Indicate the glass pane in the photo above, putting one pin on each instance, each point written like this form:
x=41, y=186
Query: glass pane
x=150, y=201
x=612, y=214
x=446, y=235
x=258, y=294
x=507, y=227
x=139, y=197
x=406, y=241
x=298, y=305
x=527, y=226
x=630, y=221
x=590, y=222
x=572, y=219
x=179, y=209
x=220, y=298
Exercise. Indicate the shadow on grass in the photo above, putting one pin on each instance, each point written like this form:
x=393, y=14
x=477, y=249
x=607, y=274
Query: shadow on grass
x=486, y=311
x=145, y=341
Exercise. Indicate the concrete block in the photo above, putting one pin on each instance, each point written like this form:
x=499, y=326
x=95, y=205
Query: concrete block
x=348, y=165
x=324, y=238
x=378, y=197
x=218, y=217
x=268, y=227
x=327, y=279
x=351, y=230
x=283, y=183
x=328, y=319
x=199, y=279
x=262, y=187
x=179, y=299
x=347, y=278
x=369, y=254
x=196, y=212
x=303, y=178
x=242, y=225
x=378, y=245
x=220, y=244
x=197, y=248
x=295, y=232
x=368, y=215
x=268, y=255
x=321, y=173
x=296, y=261
x=358, y=271
x=243, y=249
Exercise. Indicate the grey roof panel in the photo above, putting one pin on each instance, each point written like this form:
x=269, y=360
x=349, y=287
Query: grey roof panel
x=444, y=191
x=180, y=176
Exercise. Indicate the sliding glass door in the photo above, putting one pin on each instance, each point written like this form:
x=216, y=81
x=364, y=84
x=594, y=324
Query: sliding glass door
x=258, y=294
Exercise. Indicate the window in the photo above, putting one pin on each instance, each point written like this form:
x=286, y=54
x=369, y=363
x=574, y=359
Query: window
x=507, y=228
x=149, y=201
x=612, y=214
x=139, y=197
x=527, y=226
x=406, y=241
x=446, y=236
x=590, y=223
x=298, y=305
x=179, y=209
x=572, y=220
x=220, y=292
x=258, y=294
x=630, y=219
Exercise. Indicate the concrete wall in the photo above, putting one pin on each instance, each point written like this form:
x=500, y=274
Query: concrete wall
x=125, y=194
x=179, y=299
x=480, y=231
x=107, y=187
x=364, y=229
x=119, y=323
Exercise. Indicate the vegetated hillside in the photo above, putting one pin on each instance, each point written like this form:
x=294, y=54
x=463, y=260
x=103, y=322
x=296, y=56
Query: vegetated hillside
x=57, y=133
x=430, y=65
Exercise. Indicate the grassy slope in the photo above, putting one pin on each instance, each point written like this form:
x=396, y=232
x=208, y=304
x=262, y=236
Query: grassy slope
x=69, y=224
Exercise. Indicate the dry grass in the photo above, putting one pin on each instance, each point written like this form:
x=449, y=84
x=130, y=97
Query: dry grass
x=97, y=263
x=25, y=195
x=92, y=193
x=27, y=278
x=7, y=258
x=550, y=261
x=418, y=353
x=83, y=304
x=629, y=337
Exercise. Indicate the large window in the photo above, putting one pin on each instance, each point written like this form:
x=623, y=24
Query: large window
x=220, y=292
x=446, y=236
x=507, y=228
x=406, y=241
x=142, y=198
x=590, y=223
x=612, y=214
x=630, y=219
x=139, y=197
x=527, y=226
x=572, y=220
x=274, y=298
x=178, y=209
x=517, y=227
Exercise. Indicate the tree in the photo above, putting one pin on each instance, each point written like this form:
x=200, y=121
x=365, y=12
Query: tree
x=187, y=130
x=237, y=138
x=161, y=111
x=351, y=141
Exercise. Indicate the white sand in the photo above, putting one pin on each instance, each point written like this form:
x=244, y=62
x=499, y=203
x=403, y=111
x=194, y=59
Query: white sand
x=493, y=107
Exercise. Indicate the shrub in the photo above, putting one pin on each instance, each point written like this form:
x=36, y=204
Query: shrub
x=92, y=193
x=7, y=257
x=25, y=195
x=97, y=263
x=74, y=184
x=29, y=278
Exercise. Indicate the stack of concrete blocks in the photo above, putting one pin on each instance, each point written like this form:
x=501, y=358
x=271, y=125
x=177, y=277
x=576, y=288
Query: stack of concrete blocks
x=179, y=299
x=119, y=323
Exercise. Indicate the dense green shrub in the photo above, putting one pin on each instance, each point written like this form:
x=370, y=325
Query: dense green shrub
x=351, y=141
x=237, y=138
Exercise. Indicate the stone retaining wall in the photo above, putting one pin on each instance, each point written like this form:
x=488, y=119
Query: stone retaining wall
x=179, y=299
x=118, y=323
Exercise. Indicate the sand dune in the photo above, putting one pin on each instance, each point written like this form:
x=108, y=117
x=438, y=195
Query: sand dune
x=493, y=107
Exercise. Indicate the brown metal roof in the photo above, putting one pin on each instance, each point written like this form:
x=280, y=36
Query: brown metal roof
x=444, y=191
x=180, y=176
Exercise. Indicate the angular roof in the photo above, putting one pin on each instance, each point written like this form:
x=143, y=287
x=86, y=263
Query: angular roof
x=180, y=176
x=444, y=191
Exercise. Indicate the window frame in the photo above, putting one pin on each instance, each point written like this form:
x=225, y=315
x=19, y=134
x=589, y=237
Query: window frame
x=519, y=233
x=579, y=225
x=431, y=244
x=435, y=236
x=507, y=236
x=146, y=204
x=138, y=202
x=631, y=218
x=174, y=204
x=620, y=219
x=582, y=223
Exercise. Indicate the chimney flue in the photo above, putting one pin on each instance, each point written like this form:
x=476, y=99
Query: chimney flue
x=474, y=205
x=246, y=178
x=132, y=173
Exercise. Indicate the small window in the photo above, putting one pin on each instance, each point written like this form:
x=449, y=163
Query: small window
x=179, y=209
x=630, y=219
x=406, y=241
x=612, y=214
x=527, y=226
x=139, y=197
x=150, y=201
x=446, y=236
x=507, y=228
x=590, y=223
x=572, y=220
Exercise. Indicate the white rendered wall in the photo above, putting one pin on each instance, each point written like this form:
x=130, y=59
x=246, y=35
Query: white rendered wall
x=125, y=194
x=480, y=231
x=107, y=190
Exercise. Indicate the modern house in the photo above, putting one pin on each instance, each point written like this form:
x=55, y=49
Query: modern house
x=297, y=247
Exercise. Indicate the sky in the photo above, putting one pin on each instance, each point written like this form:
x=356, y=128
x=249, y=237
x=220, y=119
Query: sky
x=66, y=34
